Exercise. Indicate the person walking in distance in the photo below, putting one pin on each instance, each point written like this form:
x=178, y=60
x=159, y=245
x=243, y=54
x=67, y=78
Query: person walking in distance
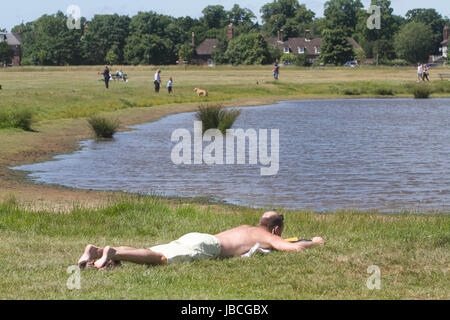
x=157, y=80
x=106, y=76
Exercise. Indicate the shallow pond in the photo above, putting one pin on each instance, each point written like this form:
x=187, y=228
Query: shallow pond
x=386, y=154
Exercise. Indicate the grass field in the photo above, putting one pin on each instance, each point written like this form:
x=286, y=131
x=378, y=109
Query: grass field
x=36, y=248
x=65, y=93
x=43, y=229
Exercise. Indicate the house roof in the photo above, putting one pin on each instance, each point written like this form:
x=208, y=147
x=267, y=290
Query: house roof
x=13, y=39
x=206, y=47
x=301, y=42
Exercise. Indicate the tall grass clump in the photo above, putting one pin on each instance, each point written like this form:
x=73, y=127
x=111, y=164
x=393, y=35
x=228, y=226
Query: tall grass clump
x=103, y=127
x=19, y=118
x=216, y=117
x=422, y=92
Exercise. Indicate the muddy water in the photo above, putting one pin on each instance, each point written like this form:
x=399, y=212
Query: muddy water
x=384, y=154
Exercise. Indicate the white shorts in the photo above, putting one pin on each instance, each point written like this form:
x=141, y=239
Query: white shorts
x=190, y=247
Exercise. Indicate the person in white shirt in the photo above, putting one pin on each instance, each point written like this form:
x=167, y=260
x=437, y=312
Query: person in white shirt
x=157, y=81
x=419, y=71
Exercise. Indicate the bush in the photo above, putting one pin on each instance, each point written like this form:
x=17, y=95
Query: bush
x=287, y=58
x=102, y=127
x=395, y=62
x=301, y=60
x=216, y=117
x=384, y=92
x=20, y=118
x=352, y=92
x=421, y=92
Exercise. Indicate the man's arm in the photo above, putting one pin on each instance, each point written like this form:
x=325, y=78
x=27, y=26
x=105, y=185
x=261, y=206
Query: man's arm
x=280, y=244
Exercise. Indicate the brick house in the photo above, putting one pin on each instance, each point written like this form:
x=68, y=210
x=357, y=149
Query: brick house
x=303, y=45
x=300, y=45
x=14, y=40
x=203, y=52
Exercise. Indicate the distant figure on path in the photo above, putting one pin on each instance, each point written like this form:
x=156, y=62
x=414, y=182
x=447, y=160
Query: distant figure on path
x=157, y=81
x=193, y=246
x=276, y=71
x=425, y=73
x=419, y=72
x=169, y=85
x=106, y=76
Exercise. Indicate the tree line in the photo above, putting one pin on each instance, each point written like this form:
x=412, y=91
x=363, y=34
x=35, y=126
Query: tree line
x=153, y=38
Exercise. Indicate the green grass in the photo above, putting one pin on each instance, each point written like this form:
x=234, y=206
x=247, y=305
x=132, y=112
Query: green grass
x=75, y=92
x=36, y=248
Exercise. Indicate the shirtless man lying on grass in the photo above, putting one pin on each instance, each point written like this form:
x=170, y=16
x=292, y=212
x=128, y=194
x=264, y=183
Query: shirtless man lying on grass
x=193, y=246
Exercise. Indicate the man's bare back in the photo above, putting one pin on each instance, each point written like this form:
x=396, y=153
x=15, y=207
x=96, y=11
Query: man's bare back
x=239, y=240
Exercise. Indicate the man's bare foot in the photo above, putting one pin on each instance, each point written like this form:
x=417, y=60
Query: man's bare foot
x=91, y=252
x=108, y=254
x=318, y=241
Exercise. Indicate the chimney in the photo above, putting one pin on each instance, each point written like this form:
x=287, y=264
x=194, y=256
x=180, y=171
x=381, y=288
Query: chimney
x=445, y=33
x=308, y=34
x=230, y=31
x=193, y=39
x=280, y=35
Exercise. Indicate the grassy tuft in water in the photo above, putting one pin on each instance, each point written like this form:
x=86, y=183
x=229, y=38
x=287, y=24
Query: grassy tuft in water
x=103, y=127
x=216, y=117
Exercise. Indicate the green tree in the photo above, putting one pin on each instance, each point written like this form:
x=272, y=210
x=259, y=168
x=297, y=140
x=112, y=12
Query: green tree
x=48, y=41
x=379, y=41
x=218, y=53
x=154, y=38
x=6, y=53
x=241, y=16
x=413, y=42
x=113, y=55
x=335, y=48
x=289, y=15
x=248, y=49
x=343, y=14
x=186, y=51
x=104, y=33
x=215, y=17
x=431, y=18
x=148, y=49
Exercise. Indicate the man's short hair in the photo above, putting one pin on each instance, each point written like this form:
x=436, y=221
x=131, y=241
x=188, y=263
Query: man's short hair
x=270, y=220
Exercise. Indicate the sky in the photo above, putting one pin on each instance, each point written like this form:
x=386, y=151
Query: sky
x=14, y=12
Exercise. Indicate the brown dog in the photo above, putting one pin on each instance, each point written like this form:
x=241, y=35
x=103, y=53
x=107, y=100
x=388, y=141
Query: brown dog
x=201, y=92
